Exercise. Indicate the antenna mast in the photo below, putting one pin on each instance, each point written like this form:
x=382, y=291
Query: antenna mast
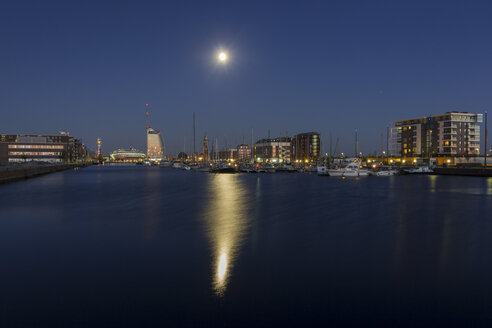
x=147, y=115
x=194, y=140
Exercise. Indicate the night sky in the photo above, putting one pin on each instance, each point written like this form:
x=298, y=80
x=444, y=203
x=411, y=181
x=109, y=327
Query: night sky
x=295, y=66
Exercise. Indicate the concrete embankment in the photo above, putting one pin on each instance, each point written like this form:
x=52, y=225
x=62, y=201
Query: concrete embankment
x=13, y=173
x=476, y=172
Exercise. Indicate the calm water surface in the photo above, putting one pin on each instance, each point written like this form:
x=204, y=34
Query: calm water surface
x=148, y=247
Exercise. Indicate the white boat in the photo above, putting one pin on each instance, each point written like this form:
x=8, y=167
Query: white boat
x=420, y=170
x=351, y=170
x=386, y=173
x=336, y=172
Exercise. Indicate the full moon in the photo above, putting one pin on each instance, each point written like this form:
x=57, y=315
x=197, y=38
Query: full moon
x=222, y=56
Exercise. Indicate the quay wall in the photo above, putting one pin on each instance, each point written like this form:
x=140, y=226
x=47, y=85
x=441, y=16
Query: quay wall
x=13, y=173
x=476, y=172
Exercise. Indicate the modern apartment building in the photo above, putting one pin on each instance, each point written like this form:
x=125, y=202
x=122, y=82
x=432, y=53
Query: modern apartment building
x=18, y=148
x=306, y=146
x=449, y=134
x=243, y=152
x=277, y=150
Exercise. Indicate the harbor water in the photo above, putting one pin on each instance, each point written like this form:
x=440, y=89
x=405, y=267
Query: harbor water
x=143, y=246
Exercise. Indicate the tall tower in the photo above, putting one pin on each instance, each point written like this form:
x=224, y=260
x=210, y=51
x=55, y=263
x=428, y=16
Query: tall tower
x=99, y=151
x=155, y=146
x=205, y=149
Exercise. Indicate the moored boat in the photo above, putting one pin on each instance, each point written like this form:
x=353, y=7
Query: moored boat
x=420, y=170
x=386, y=173
x=351, y=170
x=223, y=168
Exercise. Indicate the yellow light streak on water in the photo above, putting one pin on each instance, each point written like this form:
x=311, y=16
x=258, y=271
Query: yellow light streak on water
x=226, y=221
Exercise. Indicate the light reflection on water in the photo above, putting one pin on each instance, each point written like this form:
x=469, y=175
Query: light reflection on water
x=226, y=221
x=470, y=190
x=433, y=179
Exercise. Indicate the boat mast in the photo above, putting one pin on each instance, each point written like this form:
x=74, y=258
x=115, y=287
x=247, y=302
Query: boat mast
x=194, y=140
x=356, y=143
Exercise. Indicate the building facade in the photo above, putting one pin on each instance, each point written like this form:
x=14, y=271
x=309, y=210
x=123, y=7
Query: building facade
x=243, y=152
x=155, y=146
x=277, y=150
x=306, y=147
x=227, y=154
x=21, y=148
x=449, y=134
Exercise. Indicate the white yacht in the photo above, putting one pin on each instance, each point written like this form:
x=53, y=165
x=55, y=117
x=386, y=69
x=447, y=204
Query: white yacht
x=351, y=170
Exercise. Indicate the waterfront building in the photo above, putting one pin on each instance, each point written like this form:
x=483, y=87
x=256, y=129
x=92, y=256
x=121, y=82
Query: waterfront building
x=449, y=134
x=228, y=154
x=243, y=152
x=155, y=146
x=130, y=155
x=306, y=147
x=205, y=150
x=277, y=150
x=20, y=148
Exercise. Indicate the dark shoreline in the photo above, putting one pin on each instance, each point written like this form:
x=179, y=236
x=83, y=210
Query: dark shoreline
x=12, y=173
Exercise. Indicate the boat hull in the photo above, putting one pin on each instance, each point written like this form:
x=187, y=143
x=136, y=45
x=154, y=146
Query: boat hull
x=223, y=170
x=335, y=173
x=359, y=173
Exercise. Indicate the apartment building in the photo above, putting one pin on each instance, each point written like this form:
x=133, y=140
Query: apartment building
x=449, y=134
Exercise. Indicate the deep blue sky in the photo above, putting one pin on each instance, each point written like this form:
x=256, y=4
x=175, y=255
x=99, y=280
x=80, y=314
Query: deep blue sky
x=296, y=66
